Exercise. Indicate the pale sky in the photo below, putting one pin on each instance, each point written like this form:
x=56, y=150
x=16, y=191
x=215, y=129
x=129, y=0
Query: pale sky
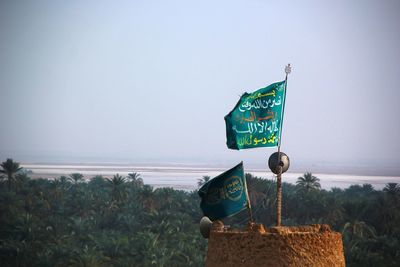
x=130, y=81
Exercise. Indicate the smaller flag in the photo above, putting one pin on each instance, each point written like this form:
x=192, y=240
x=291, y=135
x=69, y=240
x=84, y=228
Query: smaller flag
x=224, y=195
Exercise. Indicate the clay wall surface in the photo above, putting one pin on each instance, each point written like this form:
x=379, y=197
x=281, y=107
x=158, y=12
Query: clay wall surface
x=313, y=245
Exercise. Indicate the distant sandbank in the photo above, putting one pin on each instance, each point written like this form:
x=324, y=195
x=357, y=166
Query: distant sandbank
x=186, y=177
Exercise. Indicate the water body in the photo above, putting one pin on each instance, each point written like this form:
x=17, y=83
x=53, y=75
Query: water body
x=186, y=177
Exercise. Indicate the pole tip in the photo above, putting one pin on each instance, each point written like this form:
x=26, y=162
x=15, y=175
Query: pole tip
x=288, y=69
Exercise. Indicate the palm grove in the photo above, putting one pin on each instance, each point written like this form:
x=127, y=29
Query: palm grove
x=120, y=221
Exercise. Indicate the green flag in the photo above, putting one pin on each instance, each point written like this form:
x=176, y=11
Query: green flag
x=224, y=195
x=256, y=119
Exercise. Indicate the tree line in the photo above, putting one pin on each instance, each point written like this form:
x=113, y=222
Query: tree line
x=120, y=221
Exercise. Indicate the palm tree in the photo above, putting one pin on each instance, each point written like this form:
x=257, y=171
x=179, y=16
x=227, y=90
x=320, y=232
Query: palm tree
x=391, y=207
x=10, y=168
x=56, y=187
x=334, y=211
x=257, y=189
x=64, y=182
x=146, y=197
x=354, y=233
x=89, y=257
x=165, y=197
x=76, y=178
x=392, y=189
x=97, y=181
x=136, y=179
x=202, y=181
x=118, y=192
x=308, y=182
x=357, y=229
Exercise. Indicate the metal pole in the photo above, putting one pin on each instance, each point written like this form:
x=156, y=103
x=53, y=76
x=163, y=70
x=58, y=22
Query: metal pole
x=279, y=171
x=249, y=209
x=248, y=200
x=279, y=197
x=288, y=69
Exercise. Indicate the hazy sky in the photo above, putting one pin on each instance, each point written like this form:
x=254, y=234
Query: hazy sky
x=153, y=80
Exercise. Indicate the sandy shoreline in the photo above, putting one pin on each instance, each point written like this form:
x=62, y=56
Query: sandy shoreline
x=186, y=177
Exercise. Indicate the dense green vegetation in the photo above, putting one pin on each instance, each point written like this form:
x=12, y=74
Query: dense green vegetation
x=122, y=222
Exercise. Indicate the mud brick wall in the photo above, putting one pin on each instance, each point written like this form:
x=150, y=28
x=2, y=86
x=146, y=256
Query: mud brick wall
x=314, y=245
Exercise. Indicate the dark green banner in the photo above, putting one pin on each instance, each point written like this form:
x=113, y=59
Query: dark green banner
x=224, y=195
x=256, y=119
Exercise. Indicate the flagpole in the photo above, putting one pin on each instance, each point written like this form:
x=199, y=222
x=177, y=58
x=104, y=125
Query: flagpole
x=248, y=203
x=280, y=165
x=248, y=199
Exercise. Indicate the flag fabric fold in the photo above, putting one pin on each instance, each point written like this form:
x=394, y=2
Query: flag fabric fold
x=224, y=195
x=256, y=121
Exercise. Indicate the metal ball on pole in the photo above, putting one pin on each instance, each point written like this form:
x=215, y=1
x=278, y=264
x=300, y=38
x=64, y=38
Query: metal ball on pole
x=278, y=163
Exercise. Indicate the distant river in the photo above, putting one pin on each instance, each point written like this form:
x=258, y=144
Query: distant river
x=185, y=178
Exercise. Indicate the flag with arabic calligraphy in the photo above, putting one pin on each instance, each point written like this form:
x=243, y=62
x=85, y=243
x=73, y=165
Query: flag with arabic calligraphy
x=224, y=195
x=256, y=119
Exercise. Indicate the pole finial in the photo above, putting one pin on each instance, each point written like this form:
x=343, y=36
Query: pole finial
x=288, y=69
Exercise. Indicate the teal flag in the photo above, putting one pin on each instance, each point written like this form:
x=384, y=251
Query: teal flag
x=256, y=119
x=224, y=195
